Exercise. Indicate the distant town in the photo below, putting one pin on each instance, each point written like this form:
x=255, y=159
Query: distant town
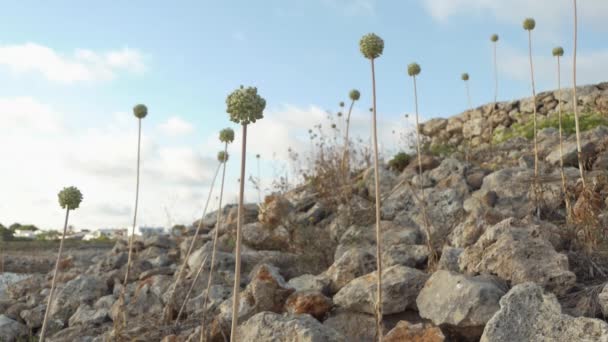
x=17, y=231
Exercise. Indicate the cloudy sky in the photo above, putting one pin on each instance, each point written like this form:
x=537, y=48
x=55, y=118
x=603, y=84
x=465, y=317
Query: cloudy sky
x=70, y=73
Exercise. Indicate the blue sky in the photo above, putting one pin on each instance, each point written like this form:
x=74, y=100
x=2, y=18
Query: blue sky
x=79, y=68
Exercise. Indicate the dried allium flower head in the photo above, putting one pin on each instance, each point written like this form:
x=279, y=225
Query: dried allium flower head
x=70, y=198
x=245, y=106
x=257, y=156
x=227, y=135
x=494, y=38
x=341, y=103
x=558, y=51
x=354, y=95
x=339, y=114
x=333, y=126
x=222, y=156
x=413, y=69
x=371, y=109
x=465, y=77
x=310, y=131
x=140, y=111
x=529, y=24
x=371, y=46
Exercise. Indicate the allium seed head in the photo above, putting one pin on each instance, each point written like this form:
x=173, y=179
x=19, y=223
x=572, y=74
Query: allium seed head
x=140, y=111
x=222, y=156
x=558, y=51
x=371, y=46
x=339, y=114
x=354, y=95
x=341, y=104
x=333, y=126
x=245, y=106
x=413, y=69
x=257, y=156
x=529, y=24
x=494, y=38
x=371, y=109
x=465, y=77
x=70, y=198
x=227, y=135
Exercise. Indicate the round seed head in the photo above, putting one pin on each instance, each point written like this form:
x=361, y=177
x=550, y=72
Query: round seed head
x=529, y=24
x=341, y=104
x=70, y=198
x=465, y=77
x=371, y=109
x=413, y=69
x=257, y=156
x=558, y=51
x=371, y=46
x=227, y=135
x=140, y=111
x=354, y=95
x=310, y=131
x=494, y=38
x=222, y=156
x=245, y=106
x=339, y=114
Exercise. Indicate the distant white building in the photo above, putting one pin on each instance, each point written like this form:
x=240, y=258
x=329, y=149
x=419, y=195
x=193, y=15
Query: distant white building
x=110, y=233
x=26, y=234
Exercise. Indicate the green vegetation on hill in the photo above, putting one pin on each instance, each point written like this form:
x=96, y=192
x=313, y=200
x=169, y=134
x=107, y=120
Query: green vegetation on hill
x=587, y=122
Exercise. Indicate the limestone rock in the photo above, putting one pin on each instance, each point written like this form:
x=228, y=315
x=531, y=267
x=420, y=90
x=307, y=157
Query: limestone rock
x=268, y=326
x=421, y=332
x=527, y=314
x=308, y=302
x=12, y=331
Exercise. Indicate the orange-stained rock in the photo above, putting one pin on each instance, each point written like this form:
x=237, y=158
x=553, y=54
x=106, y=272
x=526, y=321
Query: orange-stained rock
x=311, y=302
x=421, y=332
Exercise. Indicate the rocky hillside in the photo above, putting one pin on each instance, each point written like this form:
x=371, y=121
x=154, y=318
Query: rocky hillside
x=493, y=269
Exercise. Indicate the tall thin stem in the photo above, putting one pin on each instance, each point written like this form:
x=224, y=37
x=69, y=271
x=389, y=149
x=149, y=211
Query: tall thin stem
x=214, y=252
x=54, y=281
x=259, y=182
x=575, y=99
x=425, y=217
x=168, y=306
x=346, y=157
x=561, y=145
x=536, y=185
x=495, y=75
x=129, y=260
x=378, y=233
x=198, y=273
x=239, y=227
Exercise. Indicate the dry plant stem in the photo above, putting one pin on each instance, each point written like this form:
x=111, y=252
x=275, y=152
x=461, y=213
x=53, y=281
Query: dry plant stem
x=495, y=94
x=346, y=157
x=575, y=100
x=259, y=183
x=421, y=186
x=466, y=84
x=561, y=146
x=182, y=269
x=536, y=185
x=198, y=273
x=214, y=252
x=378, y=233
x=52, y=292
x=239, y=227
x=129, y=260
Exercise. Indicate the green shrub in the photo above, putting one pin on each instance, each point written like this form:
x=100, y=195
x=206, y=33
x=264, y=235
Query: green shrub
x=587, y=122
x=399, y=161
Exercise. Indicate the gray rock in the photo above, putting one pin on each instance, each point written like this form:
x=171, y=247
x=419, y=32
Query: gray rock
x=33, y=317
x=405, y=255
x=517, y=252
x=262, y=237
x=458, y=301
x=309, y=282
x=449, y=259
x=603, y=300
x=160, y=241
x=352, y=264
x=433, y=126
x=387, y=178
x=12, y=331
x=82, y=289
x=400, y=287
x=527, y=314
x=355, y=326
x=86, y=314
x=268, y=326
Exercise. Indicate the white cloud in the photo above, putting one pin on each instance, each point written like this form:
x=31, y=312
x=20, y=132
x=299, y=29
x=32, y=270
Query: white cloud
x=591, y=66
x=176, y=126
x=549, y=13
x=101, y=162
x=353, y=7
x=81, y=65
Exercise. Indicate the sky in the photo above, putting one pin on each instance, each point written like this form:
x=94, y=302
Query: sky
x=70, y=73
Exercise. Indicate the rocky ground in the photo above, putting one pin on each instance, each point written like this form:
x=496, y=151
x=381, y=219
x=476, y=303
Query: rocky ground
x=493, y=269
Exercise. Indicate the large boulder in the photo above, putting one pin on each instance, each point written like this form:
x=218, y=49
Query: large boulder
x=355, y=326
x=264, y=237
x=400, y=287
x=268, y=326
x=83, y=289
x=12, y=331
x=433, y=126
x=517, y=252
x=352, y=264
x=387, y=179
x=528, y=314
x=458, y=301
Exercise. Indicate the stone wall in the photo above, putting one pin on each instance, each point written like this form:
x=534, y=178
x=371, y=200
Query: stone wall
x=474, y=125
